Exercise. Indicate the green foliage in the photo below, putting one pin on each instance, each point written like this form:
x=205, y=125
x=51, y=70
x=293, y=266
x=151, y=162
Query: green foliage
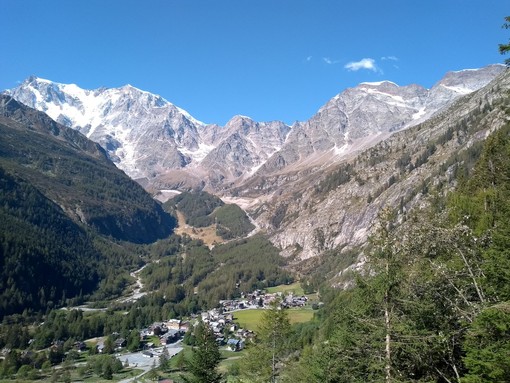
x=433, y=304
x=40, y=267
x=196, y=207
x=424, y=156
x=62, y=206
x=341, y=176
x=205, y=357
x=482, y=202
x=164, y=359
x=404, y=162
x=220, y=273
x=279, y=215
x=248, y=264
x=505, y=48
x=327, y=269
x=232, y=222
x=262, y=362
x=202, y=209
x=69, y=169
x=487, y=346
x=104, y=366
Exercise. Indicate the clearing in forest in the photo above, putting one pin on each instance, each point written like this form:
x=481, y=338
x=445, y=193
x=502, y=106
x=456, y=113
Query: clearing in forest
x=206, y=234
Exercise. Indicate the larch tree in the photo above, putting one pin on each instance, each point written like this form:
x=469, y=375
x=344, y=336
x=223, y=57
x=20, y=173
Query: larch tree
x=263, y=361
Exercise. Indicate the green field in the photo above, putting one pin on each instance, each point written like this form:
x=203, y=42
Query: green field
x=293, y=287
x=228, y=358
x=250, y=319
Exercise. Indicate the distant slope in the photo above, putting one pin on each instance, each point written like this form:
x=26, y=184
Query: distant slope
x=232, y=222
x=75, y=173
x=339, y=212
x=196, y=207
x=165, y=148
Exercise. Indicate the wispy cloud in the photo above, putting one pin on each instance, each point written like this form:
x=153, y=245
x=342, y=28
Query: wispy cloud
x=309, y=58
x=329, y=61
x=394, y=59
x=366, y=63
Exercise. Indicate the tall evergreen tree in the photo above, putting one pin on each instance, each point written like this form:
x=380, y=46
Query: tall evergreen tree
x=205, y=357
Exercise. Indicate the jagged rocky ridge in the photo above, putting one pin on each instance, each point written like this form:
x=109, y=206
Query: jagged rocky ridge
x=335, y=206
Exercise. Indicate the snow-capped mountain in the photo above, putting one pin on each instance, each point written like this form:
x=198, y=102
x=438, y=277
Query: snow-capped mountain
x=143, y=133
x=152, y=139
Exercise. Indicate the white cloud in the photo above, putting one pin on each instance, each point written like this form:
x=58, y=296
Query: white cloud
x=391, y=58
x=366, y=63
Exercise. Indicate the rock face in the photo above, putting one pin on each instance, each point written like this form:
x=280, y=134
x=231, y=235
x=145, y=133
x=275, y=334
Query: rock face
x=314, y=186
x=360, y=116
x=241, y=147
x=336, y=207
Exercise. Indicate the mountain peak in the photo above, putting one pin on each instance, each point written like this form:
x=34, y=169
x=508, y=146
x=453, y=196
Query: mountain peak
x=239, y=118
x=33, y=78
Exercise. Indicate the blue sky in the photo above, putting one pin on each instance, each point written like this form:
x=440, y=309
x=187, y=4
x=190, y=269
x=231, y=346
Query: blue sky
x=267, y=59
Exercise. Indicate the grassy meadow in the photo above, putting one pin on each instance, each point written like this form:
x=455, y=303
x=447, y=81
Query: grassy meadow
x=285, y=289
x=250, y=319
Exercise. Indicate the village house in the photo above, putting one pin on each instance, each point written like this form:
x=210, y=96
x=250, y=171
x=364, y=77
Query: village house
x=80, y=346
x=173, y=324
x=171, y=336
x=235, y=344
x=119, y=343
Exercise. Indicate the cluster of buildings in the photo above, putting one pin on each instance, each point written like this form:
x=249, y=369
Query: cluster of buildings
x=168, y=332
x=225, y=330
x=220, y=320
x=261, y=299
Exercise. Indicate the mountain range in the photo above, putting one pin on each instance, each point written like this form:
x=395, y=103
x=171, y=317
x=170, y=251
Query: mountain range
x=315, y=186
x=186, y=153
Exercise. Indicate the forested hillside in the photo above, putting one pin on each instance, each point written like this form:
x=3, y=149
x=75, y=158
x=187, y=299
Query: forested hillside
x=64, y=207
x=39, y=266
x=205, y=276
x=433, y=301
x=75, y=173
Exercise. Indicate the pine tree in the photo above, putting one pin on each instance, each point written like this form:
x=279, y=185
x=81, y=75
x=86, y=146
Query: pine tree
x=487, y=346
x=505, y=48
x=205, y=357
